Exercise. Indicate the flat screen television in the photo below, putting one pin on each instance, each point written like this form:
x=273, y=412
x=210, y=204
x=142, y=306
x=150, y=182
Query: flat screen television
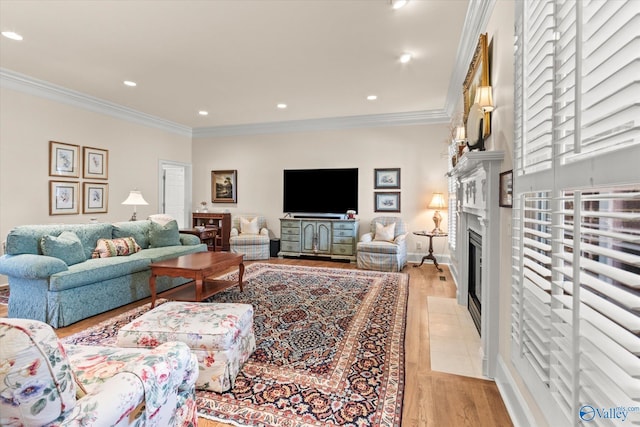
x=320, y=191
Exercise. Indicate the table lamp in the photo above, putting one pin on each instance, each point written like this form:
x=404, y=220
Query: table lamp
x=135, y=198
x=437, y=203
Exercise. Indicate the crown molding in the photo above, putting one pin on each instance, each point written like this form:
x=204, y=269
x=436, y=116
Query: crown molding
x=331, y=123
x=475, y=23
x=23, y=83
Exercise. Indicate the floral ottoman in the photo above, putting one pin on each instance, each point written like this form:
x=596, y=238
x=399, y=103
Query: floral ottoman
x=220, y=335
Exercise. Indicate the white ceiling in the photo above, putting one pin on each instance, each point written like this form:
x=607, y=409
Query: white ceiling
x=238, y=58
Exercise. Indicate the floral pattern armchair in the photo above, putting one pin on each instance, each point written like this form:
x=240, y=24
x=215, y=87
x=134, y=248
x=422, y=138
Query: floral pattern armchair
x=44, y=383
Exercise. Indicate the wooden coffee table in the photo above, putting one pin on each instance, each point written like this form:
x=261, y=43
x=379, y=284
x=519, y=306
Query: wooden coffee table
x=197, y=267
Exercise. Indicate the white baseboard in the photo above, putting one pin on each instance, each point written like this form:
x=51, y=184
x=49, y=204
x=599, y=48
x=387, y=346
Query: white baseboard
x=518, y=409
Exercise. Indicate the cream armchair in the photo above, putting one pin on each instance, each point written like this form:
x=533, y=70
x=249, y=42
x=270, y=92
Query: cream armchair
x=43, y=383
x=384, y=248
x=249, y=236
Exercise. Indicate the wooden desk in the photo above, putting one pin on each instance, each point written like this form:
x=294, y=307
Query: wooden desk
x=430, y=255
x=197, y=267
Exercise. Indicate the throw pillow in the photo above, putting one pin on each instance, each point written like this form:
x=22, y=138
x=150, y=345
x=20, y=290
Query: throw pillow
x=67, y=247
x=162, y=219
x=164, y=235
x=385, y=233
x=249, y=227
x=124, y=246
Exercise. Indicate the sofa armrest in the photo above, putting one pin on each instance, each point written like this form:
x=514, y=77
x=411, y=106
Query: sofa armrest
x=189, y=240
x=366, y=237
x=29, y=266
x=119, y=397
x=234, y=232
x=400, y=238
x=264, y=232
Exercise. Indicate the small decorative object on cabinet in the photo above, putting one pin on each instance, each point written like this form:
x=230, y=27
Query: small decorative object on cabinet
x=220, y=221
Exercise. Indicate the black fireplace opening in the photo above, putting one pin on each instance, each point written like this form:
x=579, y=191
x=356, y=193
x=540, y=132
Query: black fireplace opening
x=475, y=278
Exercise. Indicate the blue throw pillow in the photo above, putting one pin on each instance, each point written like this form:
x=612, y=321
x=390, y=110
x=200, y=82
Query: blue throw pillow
x=164, y=235
x=67, y=247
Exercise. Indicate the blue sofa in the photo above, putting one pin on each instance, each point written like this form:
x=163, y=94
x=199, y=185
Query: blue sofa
x=61, y=290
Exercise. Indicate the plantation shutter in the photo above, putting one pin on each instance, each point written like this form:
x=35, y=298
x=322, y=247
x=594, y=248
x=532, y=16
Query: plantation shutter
x=576, y=216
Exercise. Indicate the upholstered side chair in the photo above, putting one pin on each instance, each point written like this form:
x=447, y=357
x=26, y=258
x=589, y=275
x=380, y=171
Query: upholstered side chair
x=46, y=383
x=249, y=236
x=384, y=247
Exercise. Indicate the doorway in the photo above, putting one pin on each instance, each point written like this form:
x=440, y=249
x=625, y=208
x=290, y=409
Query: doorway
x=175, y=191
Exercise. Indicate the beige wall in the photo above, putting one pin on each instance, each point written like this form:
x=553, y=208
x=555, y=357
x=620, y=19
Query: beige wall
x=28, y=123
x=420, y=152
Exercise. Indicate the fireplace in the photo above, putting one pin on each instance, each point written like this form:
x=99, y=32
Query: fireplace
x=475, y=278
x=476, y=260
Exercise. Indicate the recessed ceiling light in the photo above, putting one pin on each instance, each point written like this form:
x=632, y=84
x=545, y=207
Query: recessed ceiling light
x=11, y=35
x=405, y=57
x=397, y=4
x=282, y=106
x=203, y=113
x=130, y=83
x=372, y=97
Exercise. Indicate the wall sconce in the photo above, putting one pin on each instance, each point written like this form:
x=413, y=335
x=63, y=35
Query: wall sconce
x=484, y=98
x=135, y=199
x=437, y=203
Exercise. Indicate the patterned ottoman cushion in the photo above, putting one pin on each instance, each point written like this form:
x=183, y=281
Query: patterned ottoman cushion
x=220, y=335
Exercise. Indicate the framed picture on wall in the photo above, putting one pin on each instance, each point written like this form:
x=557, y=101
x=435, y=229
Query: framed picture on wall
x=63, y=198
x=96, y=163
x=224, y=186
x=506, y=189
x=387, y=179
x=96, y=197
x=64, y=159
x=387, y=202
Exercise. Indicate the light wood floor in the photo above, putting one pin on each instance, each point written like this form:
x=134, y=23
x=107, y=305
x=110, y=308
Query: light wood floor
x=433, y=399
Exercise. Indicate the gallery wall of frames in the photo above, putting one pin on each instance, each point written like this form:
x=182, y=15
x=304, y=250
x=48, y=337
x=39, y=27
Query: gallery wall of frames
x=66, y=192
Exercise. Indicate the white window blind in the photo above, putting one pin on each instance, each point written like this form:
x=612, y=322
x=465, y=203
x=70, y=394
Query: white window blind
x=576, y=240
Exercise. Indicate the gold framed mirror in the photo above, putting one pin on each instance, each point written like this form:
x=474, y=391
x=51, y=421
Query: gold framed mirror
x=477, y=75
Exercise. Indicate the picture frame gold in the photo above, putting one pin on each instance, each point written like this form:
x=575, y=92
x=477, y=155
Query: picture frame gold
x=224, y=186
x=477, y=75
x=64, y=159
x=96, y=163
x=95, y=197
x=63, y=197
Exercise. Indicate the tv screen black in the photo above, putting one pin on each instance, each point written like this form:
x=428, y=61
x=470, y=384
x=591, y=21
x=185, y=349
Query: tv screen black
x=328, y=191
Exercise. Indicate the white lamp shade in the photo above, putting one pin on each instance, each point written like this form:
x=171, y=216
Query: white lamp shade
x=437, y=202
x=460, y=134
x=135, y=198
x=484, y=98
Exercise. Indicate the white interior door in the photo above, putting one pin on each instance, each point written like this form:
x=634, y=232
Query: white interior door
x=175, y=191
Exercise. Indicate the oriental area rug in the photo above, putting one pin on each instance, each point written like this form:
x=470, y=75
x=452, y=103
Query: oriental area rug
x=330, y=348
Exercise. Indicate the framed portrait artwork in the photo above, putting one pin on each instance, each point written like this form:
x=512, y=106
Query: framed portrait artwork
x=387, y=202
x=224, y=186
x=96, y=163
x=64, y=159
x=63, y=197
x=477, y=75
x=387, y=179
x=95, y=197
x=506, y=189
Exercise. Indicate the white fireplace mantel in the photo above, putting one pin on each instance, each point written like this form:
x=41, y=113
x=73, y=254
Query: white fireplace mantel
x=477, y=176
